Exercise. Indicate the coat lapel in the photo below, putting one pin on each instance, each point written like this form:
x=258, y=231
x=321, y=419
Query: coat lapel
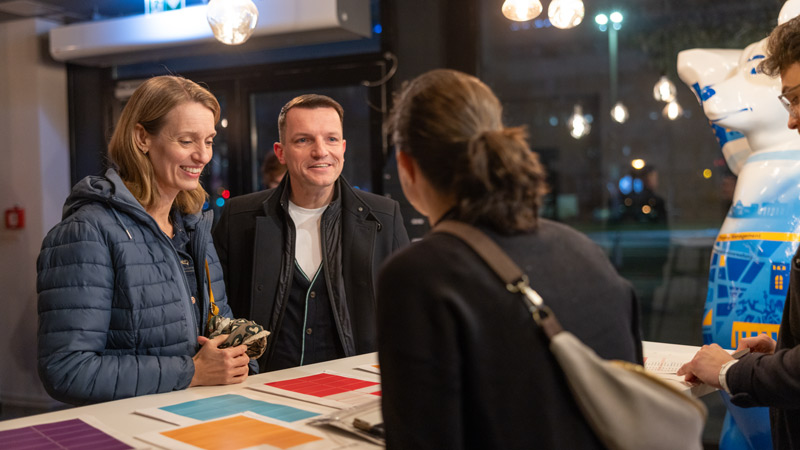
x=358, y=240
x=267, y=263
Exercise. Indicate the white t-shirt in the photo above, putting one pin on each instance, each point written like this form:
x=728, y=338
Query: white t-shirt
x=308, y=249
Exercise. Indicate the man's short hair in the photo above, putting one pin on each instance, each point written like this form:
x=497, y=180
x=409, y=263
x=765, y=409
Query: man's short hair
x=308, y=101
x=782, y=48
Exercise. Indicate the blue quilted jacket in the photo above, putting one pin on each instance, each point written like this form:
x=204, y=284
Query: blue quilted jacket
x=115, y=316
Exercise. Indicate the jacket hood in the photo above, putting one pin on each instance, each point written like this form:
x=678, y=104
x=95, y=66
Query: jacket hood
x=104, y=189
x=111, y=190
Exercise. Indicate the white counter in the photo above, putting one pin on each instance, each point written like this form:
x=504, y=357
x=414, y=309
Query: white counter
x=118, y=416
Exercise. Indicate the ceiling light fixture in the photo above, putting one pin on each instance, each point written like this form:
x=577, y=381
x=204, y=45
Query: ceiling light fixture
x=664, y=90
x=578, y=125
x=566, y=14
x=521, y=10
x=673, y=110
x=619, y=113
x=232, y=21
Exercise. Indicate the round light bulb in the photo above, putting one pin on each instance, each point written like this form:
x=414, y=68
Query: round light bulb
x=578, y=125
x=232, y=21
x=521, y=10
x=565, y=13
x=672, y=111
x=619, y=112
x=664, y=90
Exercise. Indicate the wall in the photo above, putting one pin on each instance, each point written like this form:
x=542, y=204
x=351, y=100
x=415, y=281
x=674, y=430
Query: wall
x=34, y=175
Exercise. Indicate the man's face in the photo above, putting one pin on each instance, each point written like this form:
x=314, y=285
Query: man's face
x=312, y=149
x=790, y=90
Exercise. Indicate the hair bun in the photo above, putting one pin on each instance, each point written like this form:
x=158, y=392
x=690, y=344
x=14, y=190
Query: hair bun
x=451, y=124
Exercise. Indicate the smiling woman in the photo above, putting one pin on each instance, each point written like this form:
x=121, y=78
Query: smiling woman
x=138, y=239
x=178, y=153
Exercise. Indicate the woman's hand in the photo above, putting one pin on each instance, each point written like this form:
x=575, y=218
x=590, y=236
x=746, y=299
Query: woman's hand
x=214, y=366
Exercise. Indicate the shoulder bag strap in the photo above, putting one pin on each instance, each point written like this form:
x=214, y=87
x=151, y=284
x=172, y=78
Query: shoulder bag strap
x=509, y=272
x=213, y=309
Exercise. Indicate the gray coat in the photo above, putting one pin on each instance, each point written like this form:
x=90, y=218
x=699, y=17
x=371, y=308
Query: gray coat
x=115, y=316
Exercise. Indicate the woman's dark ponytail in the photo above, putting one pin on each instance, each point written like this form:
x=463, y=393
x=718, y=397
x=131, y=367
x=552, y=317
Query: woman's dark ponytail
x=450, y=123
x=499, y=181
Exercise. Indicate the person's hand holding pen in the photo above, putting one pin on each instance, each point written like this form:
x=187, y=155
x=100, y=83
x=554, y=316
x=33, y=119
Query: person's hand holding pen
x=762, y=343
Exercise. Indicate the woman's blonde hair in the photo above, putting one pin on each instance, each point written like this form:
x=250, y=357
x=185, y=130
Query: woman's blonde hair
x=148, y=106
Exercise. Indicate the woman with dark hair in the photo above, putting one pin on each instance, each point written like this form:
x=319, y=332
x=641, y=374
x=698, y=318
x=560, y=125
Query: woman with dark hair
x=462, y=363
x=126, y=279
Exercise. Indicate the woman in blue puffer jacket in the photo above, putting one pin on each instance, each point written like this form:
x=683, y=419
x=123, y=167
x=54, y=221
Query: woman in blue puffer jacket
x=125, y=279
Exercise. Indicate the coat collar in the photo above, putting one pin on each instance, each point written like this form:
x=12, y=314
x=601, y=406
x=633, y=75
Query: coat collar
x=344, y=194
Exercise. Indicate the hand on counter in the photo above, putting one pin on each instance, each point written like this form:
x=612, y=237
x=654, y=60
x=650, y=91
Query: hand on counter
x=705, y=365
x=214, y=366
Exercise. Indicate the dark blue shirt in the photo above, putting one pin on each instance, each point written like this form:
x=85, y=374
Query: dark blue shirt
x=308, y=331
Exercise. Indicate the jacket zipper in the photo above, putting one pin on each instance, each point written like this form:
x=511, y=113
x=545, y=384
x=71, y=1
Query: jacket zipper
x=187, y=303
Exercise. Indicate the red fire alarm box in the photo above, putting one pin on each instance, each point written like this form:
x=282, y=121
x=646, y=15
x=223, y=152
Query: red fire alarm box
x=15, y=218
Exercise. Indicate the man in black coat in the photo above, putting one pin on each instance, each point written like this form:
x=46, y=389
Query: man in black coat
x=301, y=259
x=770, y=374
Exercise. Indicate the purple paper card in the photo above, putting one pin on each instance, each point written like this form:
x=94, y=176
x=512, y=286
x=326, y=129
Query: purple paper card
x=68, y=434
